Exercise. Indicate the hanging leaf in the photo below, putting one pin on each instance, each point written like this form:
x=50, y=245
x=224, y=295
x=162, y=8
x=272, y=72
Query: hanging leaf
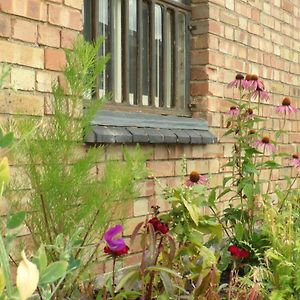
x=6, y=140
x=2, y=282
x=239, y=231
x=168, y=285
x=16, y=220
x=193, y=210
x=40, y=259
x=4, y=171
x=212, y=198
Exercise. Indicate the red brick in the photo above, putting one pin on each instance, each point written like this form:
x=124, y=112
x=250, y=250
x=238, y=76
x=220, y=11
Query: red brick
x=65, y=16
x=32, y=9
x=68, y=37
x=199, y=88
x=74, y=3
x=161, y=168
x=229, y=18
x=55, y=59
x=200, y=12
x=21, y=54
x=5, y=26
x=199, y=57
x=48, y=35
x=24, y=30
x=287, y=6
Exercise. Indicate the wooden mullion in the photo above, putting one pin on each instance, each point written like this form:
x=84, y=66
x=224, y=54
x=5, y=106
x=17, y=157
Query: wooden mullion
x=152, y=53
x=125, y=51
x=139, y=65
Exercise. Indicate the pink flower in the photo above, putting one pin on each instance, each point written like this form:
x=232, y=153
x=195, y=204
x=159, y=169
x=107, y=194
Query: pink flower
x=255, y=83
x=115, y=247
x=295, y=161
x=238, y=82
x=286, y=107
x=196, y=178
x=238, y=252
x=261, y=94
x=264, y=145
x=233, y=111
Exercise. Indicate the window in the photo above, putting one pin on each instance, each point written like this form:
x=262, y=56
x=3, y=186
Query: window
x=148, y=43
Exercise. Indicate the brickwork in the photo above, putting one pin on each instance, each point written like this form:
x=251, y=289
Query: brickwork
x=228, y=36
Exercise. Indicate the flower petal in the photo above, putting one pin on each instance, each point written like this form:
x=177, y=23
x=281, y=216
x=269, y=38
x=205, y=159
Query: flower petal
x=112, y=232
x=27, y=277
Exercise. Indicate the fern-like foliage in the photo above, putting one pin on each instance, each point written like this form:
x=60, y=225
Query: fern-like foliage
x=68, y=190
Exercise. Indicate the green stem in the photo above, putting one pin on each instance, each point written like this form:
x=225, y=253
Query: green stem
x=288, y=192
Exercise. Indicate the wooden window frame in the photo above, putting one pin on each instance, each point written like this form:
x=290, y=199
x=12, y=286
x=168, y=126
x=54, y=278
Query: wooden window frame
x=91, y=32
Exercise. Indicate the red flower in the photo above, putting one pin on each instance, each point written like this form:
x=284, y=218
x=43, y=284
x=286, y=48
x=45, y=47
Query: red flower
x=159, y=226
x=116, y=252
x=238, y=252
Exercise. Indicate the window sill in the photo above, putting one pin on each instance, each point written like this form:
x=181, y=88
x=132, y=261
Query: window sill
x=110, y=127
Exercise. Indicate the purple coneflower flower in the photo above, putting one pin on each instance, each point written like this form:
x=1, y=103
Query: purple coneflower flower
x=238, y=82
x=295, y=161
x=286, y=107
x=115, y=247
x=255, y=83
x=196, y=178
x=261, y=94
x=265, y=145
x=233, y=111
x=249, y=113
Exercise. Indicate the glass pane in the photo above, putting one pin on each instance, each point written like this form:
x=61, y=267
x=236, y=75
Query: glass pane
x=169, y=59
x=103, y=31
x=181, y=58
x=159, y=55
x=116, y=51
x=132, y=44
x=145, y=53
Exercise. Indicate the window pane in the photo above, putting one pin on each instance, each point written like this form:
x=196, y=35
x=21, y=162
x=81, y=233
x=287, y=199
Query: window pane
x=159, y=55
x=132, y=42
x=181, y=58
x=145, y=53
x=103, y=31
x=169, y=59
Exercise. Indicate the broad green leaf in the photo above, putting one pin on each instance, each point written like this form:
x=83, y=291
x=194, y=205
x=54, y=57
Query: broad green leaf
x=4, y=171
x=196, y=237
x=212, y=198
x=2, y=282
x=193, y=211
x=6, y=140
x=272, y=164
x=16, y=220
x=168, y=285
x=239, y=231
x=248, y=190
x=130, y=276
x=54, y=272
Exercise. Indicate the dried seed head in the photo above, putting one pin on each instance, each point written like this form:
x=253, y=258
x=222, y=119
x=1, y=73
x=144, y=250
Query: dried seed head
x=254, y=77
x=250, y=111
x=248, y=77
x=252, y=131
x=233, y=108
x=295, y=156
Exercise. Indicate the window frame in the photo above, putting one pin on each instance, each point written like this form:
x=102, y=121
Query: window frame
x=91, y=32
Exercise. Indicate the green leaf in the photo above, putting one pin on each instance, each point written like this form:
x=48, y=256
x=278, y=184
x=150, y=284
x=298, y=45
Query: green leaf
x=54, y=272
x=130, y=276
x=248, y=190
x=2, y=282
x=193, y=211
x=41, y=259
x=212, y=198
x=6, y=140
x=271, y=164
x=196, y=237
x=168, y=285
x=163, y=269
x=239, y=231
x=16, y=220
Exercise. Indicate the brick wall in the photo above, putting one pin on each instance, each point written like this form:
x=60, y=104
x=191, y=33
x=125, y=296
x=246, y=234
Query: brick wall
x=260, y=37
x=228, y=36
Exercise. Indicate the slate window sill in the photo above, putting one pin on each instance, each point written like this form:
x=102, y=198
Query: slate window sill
x=110, y=127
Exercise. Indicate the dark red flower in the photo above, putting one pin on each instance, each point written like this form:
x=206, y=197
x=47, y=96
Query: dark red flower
x=116, y=252
x=238, y=252
x=159, y=226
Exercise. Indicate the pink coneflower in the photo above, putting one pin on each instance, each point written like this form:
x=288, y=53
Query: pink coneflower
x=233, y=111
x=286, y=107
x=295, y=161
x=196, y=178
x=261, y=94
x=265, y=145
x=254, y=83
x=238, y=82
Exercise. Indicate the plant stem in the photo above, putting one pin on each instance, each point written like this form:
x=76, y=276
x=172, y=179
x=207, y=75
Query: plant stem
x=114, y=275
x=219, y=220
x=288, y=192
